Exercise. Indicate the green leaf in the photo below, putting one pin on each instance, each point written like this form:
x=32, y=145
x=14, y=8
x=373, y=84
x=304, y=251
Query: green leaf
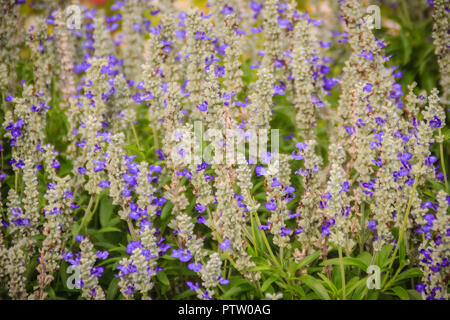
x=365, y=258
x=304, y=262
x=184, y=295
x=230, y=292
x=107, y=229
x=348, y=261
x=106, y=210
x=414, y=295
x=257, y=186
x=356, y=285
x=383, y=255
x=298, y=289
x=316, y=286
x=400, y=292
x=263, y=268
x=111, y=293
x=163, y=278
x=268, y=282
x=109, y=261
x=260, y=196
x=330, y=284
x=407, y=49
x=410, y=273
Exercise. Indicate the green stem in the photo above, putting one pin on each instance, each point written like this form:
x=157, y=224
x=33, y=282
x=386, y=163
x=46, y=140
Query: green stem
x=86, y=214
x=137, y=139
x=219, y=239
x=441, y=152
x=267, y=243
x=132, y=231
x=402, y=231
x=406, y=13
x=155, y=136
x=253, y=234
x=16, y=181
x=363, y=230
x=341, y=265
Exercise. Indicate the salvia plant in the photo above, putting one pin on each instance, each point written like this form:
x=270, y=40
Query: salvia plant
x=231, y=150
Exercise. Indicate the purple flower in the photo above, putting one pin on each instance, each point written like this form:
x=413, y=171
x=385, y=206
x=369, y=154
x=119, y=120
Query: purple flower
x=227, y=10
x=132, y=246
x=73, y=206
x=97, y=272
x=284, y=23
x=325, y=230
x=366, y=55
x=223, y=281
x=21, y=222
x=271, y=205
x=275, y=183
x=326, y=227
x=104, y=184
x=264, y=227
x=257, y=30
x=82, y=170
x=368, y=87
x=430, y=160
x=285, y=232
x=206, y=295
x=225, y=245
x=79, y=238
x=201, y=219
x=194, y=267
x=260, y=171
x=202, y=166
x=200, y=208
x=435, y=123
x=193, y=287
x=420, y=287
x=55, y=164
x=130, y=290
x=181, y=254
x=278, y=89
x=372, y=225
x=396, y=92
x=345, y=187
x=378, y=162
x=350, y=130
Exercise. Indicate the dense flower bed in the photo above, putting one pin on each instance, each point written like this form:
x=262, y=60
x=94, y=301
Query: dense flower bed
x=251, y=150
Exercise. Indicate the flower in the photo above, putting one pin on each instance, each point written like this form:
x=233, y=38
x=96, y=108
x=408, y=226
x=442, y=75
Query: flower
x=194, y=267
x=192, y=286
x=200, y=208
x=102, y=255
x=201, y=219
x=271, y=205
x=435, y=123
x=182, y=254
x=97, y=271
x=104, y=184
x=368, y=87
x=225, y=245
x=260, y=171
